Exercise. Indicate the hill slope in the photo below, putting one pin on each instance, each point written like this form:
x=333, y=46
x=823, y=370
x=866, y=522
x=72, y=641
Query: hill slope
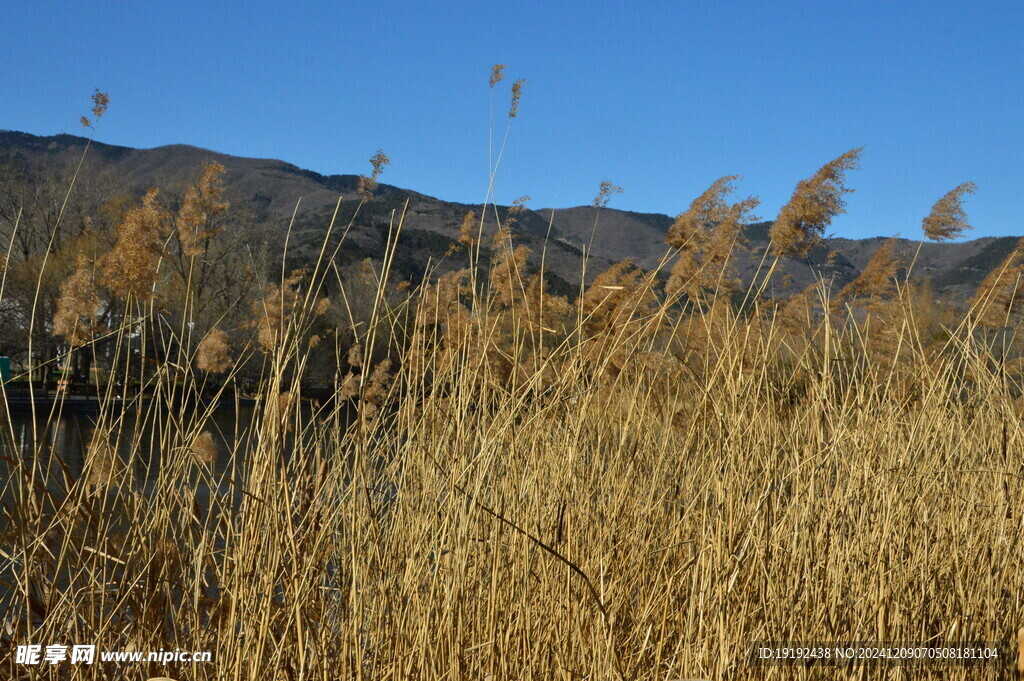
x=273, y=188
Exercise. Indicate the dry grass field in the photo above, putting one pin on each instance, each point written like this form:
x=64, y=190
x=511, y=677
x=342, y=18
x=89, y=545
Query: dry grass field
x=637, y=482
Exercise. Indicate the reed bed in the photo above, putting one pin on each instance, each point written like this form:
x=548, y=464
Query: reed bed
x=638, y=483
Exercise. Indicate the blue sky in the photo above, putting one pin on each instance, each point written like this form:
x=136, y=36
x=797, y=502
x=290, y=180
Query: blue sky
x=661, y=98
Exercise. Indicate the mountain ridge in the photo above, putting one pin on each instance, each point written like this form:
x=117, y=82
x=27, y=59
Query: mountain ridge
x=279, y=189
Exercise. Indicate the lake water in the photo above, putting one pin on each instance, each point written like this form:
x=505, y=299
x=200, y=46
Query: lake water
x=69, y=432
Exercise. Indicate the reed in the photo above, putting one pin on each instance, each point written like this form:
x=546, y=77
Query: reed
x=635, y=484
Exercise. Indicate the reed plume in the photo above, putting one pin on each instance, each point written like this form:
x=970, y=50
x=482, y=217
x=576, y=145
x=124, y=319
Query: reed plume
x=541, y=310
x=78, y=306
x=517, y=93
x=438, y=301
x=368, y=184
x=999, y=296
x=801, y=223
x=130, y=268
x=100, y=102
x=205, y=448
x=100, y=459
x=874, y=301
x=497, y=73
x=468, y=230
x=948, y=220
x=355, y=355
x=272, y=310
x=201, y=205
x=796, y=314
x=617, y=296
x=506, y=276
x=605, y=192
x=212, y=354
x=707, y=235
x=877, y=281
x=349, y=387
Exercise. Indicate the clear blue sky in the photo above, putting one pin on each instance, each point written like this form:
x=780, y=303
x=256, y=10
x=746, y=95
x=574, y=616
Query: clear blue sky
x=659, y=97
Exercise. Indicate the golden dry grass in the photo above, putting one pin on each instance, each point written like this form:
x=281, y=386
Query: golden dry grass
x=618, y=509
x=629, y=486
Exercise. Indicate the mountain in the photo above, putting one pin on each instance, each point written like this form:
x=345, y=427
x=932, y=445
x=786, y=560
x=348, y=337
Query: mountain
x=274, y=190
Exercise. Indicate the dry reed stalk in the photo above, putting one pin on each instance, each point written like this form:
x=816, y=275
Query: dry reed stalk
x=531, y=503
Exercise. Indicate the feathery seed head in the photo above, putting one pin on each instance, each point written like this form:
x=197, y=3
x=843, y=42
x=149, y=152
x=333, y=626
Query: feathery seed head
x=367, y=185
x=517, y=92
x=349, y=387
x=355, y=355
x=707, y=234
x=948, y=220
x=100, y=101
x=205, y=448
x=506, y=275
x=1001, y=292
x=605, y=192
x=99, y=459
x=367, y=273
x=801, y=223
x=617, y=294
x=201, y=205
x=877, y=280
x=77, y=307
x=705, y=211
x=497, y=73
x=517, y=208
x=274, y=307
x=380, y=383
x=130, y=268
x=468, y=231
x=212, y=353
